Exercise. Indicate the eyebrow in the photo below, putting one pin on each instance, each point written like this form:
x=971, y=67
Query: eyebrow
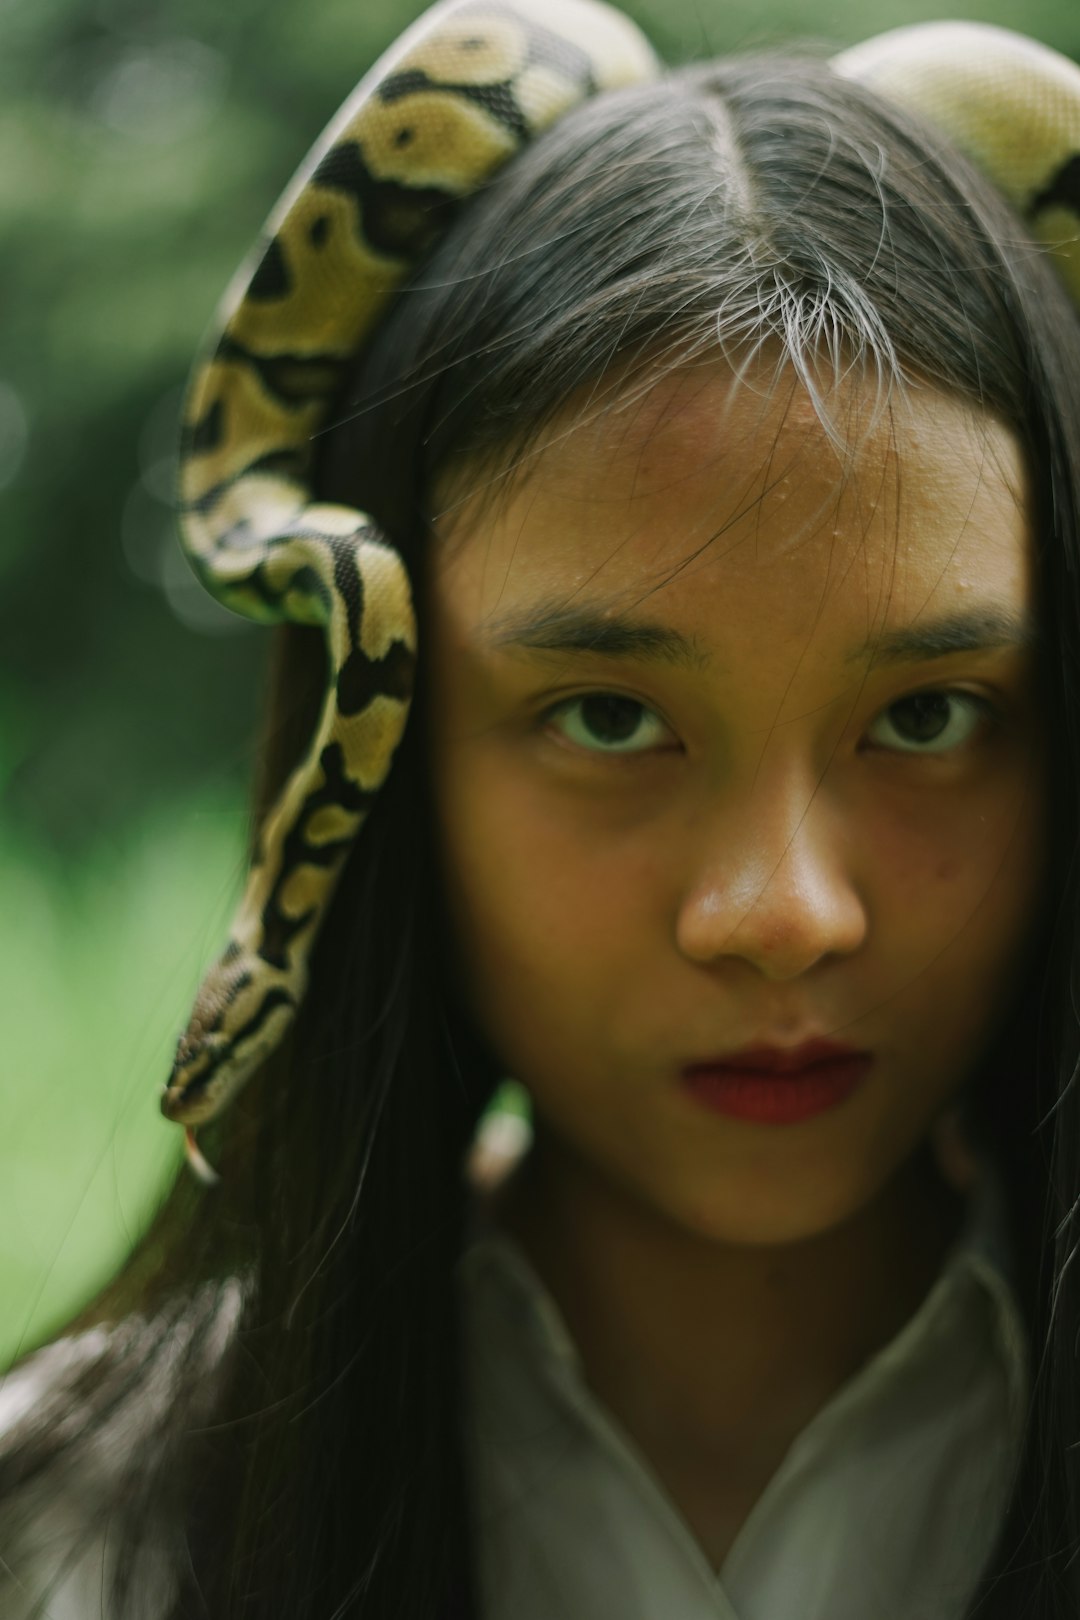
x=552, y=627
x=975, y=629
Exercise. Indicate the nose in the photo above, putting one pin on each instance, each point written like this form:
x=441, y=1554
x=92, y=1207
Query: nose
x=773, y=887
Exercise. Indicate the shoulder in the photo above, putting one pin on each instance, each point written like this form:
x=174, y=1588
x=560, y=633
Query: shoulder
x=49, y=1483
x=85, y=1429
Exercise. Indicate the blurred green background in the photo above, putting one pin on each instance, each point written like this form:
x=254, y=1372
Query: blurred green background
x=141, y=145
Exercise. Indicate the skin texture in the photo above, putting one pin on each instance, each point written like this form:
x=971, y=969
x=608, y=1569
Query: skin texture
x=762, y=863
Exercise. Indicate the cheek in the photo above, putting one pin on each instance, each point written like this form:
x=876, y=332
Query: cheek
x=557, y=918
x=532, y=888
x=956, y=896
x=970, y=852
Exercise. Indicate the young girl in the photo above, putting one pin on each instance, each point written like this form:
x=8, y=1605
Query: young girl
x=728, y=435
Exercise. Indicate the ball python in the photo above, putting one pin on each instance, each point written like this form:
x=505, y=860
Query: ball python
x=451, y=101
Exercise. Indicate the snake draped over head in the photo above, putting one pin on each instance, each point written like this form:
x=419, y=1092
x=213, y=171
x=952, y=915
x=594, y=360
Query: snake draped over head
x=463, y=89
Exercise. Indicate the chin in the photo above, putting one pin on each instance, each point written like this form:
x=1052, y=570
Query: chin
x=762, y=1217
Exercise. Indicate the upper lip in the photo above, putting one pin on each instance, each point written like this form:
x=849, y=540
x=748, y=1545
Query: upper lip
x=779, y=1059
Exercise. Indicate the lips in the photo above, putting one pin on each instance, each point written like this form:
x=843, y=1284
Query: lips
x=777, y=1059
x=778, y=1085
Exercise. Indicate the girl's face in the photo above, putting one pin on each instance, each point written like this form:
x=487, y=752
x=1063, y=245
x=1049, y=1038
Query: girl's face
x=736, y=744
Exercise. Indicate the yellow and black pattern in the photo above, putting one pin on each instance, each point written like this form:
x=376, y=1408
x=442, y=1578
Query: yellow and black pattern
x=1011, y=104
x=454, y=99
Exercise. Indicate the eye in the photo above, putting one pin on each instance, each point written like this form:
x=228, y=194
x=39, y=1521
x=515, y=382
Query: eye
x=930, y=722
x=608, y=723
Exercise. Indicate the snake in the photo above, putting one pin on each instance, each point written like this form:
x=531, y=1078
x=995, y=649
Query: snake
x=467, y=85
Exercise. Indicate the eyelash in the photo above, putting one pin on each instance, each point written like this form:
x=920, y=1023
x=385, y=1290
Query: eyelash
x=982, y=710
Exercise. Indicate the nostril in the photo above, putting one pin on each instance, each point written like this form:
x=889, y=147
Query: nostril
x=783, y=921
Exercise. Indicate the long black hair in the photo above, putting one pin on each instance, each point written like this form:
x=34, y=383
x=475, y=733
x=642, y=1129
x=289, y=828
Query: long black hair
x=285, y=1347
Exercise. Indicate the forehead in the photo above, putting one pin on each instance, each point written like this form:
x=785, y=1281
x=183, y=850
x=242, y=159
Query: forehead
x=733, y=502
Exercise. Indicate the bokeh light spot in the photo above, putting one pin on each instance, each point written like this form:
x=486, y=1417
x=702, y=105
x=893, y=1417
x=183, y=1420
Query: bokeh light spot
x=162, y=93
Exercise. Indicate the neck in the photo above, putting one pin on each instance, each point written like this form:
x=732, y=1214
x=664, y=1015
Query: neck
x=707, y=1349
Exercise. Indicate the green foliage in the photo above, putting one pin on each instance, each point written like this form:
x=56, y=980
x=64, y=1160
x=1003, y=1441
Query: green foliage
x=99, y=963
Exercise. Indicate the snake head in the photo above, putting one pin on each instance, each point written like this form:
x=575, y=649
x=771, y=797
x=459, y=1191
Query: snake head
x=239, y=1017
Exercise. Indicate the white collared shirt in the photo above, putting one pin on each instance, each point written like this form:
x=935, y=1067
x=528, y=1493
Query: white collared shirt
x=885, y=1507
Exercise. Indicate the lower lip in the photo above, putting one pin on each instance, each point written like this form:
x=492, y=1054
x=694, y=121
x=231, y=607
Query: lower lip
x=778, y=1099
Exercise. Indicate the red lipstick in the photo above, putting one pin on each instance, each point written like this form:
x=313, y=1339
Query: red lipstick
x=776, y=1085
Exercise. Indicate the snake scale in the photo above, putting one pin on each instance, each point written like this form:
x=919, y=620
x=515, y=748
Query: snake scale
x=458, y=94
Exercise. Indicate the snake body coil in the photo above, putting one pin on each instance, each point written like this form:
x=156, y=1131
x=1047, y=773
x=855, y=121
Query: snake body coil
x=453, y=100
x=456, y=97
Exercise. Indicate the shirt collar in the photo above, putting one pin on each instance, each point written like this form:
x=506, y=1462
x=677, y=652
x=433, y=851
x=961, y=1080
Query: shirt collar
x=983, y=1251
